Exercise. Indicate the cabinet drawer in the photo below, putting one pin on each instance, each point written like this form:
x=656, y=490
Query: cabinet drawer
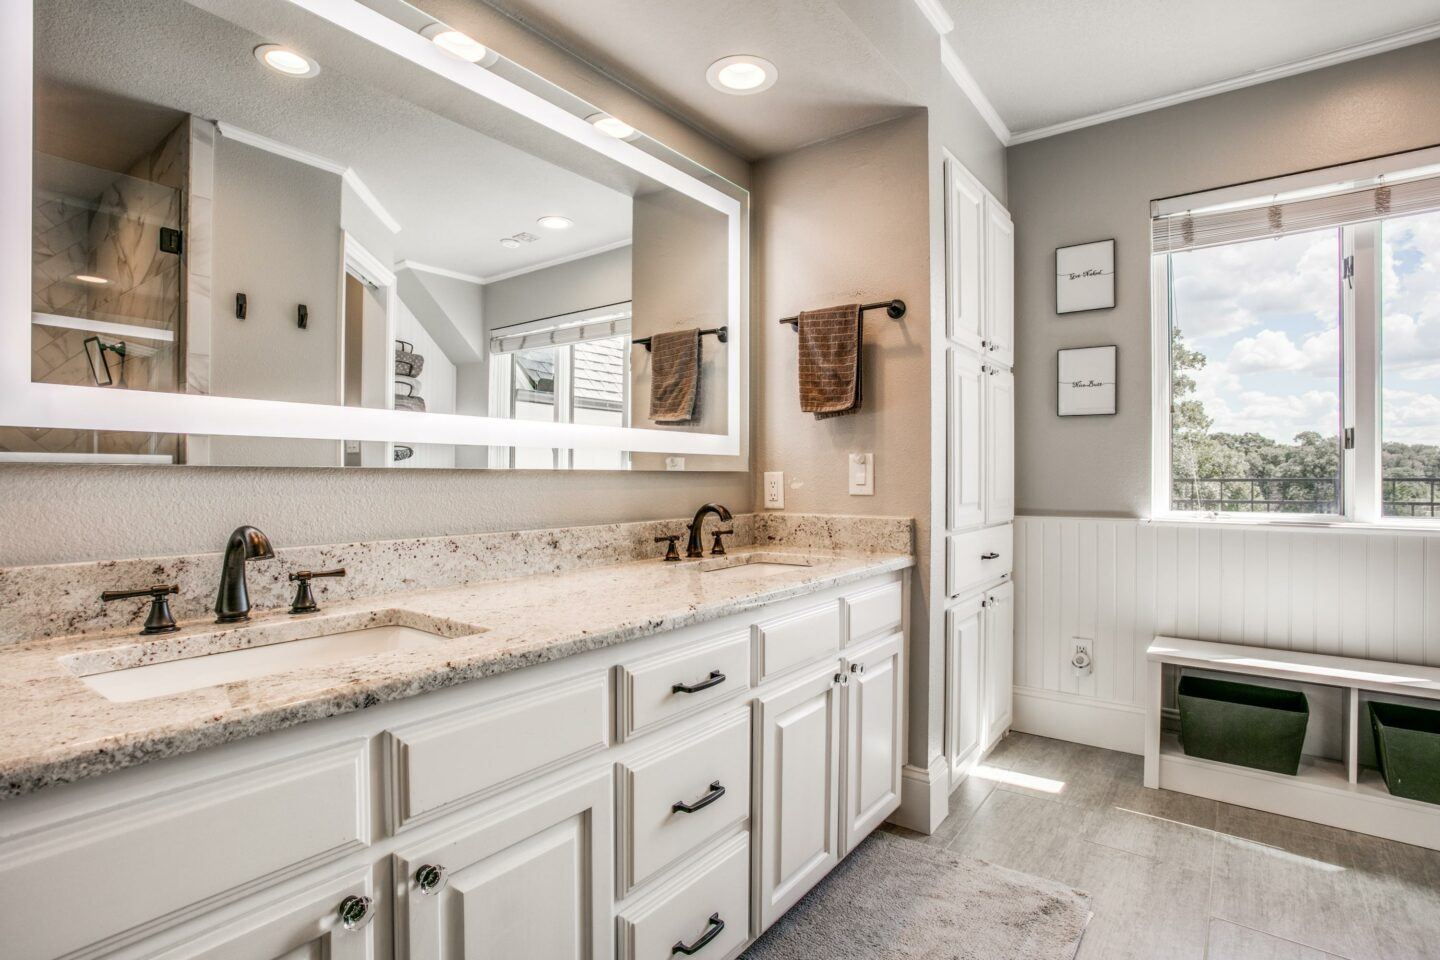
x=872, y=612
x=796, y=639
x=708, y=771
x=658, y=689
x=977, y=558
x=479, y=750
x=87, y=886
x=711, y=901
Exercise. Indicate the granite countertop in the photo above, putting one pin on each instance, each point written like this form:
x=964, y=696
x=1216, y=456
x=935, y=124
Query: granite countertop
x=56, y=729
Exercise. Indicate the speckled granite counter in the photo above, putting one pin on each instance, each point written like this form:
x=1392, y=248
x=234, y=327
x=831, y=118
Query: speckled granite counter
x=55, y=729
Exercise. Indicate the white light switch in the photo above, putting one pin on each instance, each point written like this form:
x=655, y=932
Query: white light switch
x=862, y=474
x=774, y=490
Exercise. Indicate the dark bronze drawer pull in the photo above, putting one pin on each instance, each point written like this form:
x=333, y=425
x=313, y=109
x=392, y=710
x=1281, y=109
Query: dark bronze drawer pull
x=714, y=680
x=716, y=927
x=989, y=556
x=716, y=792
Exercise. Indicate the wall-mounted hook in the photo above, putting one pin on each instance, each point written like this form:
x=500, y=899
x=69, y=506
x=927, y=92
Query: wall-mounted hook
x=304, y=317
x=240, y=303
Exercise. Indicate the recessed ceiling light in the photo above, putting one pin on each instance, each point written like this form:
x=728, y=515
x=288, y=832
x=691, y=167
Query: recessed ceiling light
x=509, y=243
x=459, y=44
x=285, y=61
x=741, y=74
x=91, y=278
x=555, y=223
x=614, y=126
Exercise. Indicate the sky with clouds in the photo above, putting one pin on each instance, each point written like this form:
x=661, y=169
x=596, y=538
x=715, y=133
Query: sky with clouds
x=1266, y=314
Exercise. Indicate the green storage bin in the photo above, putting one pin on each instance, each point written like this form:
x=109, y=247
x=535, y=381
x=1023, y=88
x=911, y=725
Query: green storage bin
x=1407, y=743
x=1242, y=723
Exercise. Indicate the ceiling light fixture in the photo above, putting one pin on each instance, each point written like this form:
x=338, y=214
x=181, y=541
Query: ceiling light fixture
x=91, y=278
x=741, y=74
x=555, y=223
x=459, y=44
x=509, y=243
x=286, y=62
x=613, y=126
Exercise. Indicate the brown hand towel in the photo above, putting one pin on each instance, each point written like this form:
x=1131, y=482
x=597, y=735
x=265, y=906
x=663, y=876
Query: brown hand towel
x=830, y=360
x=675, y=376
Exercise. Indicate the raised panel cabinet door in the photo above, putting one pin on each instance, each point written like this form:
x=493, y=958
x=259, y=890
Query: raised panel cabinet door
x=798, y=828
x=999, y=660
x=964, y=253
x=963, y=689
x=999, y=445
x=965, y=456
x=299, y=925
x=999, y=284
x=531, y=879
x=874, y=727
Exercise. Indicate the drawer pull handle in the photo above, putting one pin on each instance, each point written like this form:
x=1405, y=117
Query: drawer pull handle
x=716, y=927
x=990, y=556
x=431, y=878
x=714, y=680
x=355, y=912
x=716, y=792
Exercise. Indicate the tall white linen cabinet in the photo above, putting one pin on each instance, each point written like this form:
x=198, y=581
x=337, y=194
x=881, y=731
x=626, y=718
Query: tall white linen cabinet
x=980, y=469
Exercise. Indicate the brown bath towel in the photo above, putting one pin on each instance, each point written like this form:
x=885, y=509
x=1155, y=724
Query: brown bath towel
x=675, y=376
x=829, y=355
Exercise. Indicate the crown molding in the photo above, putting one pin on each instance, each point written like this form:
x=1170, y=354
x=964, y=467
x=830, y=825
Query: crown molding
x=419, y=267
x=937, y=15
x=954, y=66
x=1293, y=68
x=474, y=278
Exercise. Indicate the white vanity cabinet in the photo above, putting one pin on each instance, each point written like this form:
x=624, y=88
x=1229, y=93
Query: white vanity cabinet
x=684, y=788
x=979, y=673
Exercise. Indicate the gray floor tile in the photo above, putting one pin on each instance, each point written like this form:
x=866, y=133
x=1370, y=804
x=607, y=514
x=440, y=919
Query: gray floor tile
x=1229, y=941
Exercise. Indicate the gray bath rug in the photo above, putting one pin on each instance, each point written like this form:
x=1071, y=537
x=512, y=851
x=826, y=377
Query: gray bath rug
x=896, y=899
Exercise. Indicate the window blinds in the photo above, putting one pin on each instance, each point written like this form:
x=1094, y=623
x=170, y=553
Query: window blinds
x=595, y=324
x=1311, y=209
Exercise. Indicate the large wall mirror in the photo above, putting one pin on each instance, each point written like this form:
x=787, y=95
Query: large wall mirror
x=308, y=233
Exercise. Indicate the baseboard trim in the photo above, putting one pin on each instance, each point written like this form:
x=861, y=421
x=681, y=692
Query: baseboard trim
x=924, y=796
x=1065, y=716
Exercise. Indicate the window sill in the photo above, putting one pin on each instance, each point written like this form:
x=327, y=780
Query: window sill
x=1398, y=525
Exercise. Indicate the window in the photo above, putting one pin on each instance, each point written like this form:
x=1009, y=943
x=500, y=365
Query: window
x=1298, y=346
x=570, y=369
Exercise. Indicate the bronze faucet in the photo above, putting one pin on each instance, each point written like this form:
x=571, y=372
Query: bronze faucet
x=232, y=604
x=692, y=546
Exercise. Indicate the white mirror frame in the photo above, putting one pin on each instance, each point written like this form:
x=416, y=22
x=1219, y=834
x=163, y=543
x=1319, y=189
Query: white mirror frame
x=27, y=404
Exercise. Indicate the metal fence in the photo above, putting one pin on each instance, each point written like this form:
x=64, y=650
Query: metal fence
x=1403, y=496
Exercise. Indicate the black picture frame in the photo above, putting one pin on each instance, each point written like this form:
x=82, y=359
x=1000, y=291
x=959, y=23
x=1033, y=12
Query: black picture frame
x=1061, y=310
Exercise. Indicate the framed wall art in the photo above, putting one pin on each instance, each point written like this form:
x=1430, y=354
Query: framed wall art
x=1085, y=277
x=1087, y=381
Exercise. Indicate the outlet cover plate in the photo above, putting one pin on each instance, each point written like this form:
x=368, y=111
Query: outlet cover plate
x=774, y=490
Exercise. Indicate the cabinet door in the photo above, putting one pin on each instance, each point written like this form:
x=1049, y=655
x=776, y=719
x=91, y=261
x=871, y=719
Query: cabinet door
x=966, y=454
x=874, y=725
x=999, y=445
x=964, y=252
x=798, y=825
x=293, y=927
x=964, y=705
x=999, y=660
x=999, y=284
x=534, y=883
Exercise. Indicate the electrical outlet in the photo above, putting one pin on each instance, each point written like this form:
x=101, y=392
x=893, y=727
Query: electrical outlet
x=1082, y=661
x=774, y=490
x=860, y=468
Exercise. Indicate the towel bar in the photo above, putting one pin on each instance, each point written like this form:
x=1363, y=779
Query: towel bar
x=721, y=333
x=895, y=308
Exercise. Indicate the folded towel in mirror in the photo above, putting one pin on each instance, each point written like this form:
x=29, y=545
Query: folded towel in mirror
x=829, y=360
x=675, y=376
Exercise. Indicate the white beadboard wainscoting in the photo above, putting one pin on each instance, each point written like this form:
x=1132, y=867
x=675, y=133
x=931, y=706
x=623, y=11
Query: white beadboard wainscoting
x=1119, y=582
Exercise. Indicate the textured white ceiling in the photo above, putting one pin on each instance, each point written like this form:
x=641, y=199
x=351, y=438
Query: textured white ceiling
x=1044, y=62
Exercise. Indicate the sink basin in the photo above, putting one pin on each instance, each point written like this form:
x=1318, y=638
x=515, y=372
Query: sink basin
x=753, y=564
x=190, y=663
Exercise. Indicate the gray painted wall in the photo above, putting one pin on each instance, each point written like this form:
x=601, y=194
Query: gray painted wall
x=1097, y=183
x=564, y=288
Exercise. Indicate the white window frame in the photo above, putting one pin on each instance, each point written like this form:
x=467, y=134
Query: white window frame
x=1361, y=318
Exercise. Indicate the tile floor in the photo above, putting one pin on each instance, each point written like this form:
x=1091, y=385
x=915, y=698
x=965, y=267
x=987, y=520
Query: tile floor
x=1175, y=877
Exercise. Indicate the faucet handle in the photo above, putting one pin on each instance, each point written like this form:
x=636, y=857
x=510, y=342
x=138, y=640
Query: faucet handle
x=717, y=548
x=159, y=620
x=304, y=601
x=671, y=554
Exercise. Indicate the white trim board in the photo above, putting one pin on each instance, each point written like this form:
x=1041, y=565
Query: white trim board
x=938, y=16
x=969, y=86
x=1096, y=723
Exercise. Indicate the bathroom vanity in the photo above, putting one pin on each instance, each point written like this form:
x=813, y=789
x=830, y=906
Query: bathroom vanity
x=637, y=760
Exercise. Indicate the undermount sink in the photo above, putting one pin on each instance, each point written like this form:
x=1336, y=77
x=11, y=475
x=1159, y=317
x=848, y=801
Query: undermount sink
x=176, y=665
x=752, y=564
